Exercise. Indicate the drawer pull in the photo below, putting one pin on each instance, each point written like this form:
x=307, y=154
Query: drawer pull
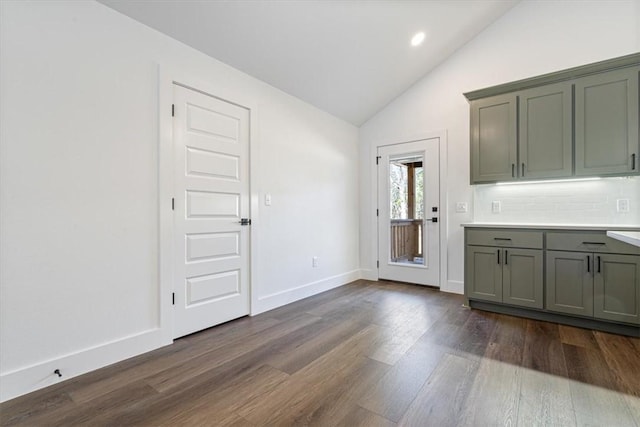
x=503, y=238
x=593, y=243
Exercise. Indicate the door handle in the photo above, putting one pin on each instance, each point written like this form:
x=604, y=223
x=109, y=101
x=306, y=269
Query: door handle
x=633, y=161
x=433, y=219
x=598, y=264
x=506, y=257
x=513, y=170
x=588, y=264
x=498, y=256
x=245, y=221
x=522, y=170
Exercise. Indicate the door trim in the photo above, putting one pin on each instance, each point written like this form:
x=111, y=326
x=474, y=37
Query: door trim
x=167, y=77
x=443, y=199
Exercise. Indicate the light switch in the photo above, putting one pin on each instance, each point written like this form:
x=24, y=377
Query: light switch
x=267, y=199
x=462, y=207
x=495, y=206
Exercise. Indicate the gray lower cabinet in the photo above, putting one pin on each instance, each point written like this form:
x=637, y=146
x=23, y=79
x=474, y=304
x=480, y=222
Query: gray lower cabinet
x=617, y=288
x=507, y=275
x=569, y=283
x=606, y=123
x=579, y=277
x=589, y=274
x=522, y=282
x=483, y=273
x=605, y=286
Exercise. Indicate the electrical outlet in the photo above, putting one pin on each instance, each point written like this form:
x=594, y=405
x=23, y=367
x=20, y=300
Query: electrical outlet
x=314, y=262
x=462, y=207
x=495, y=207
x=267, y=199
x=622, y=205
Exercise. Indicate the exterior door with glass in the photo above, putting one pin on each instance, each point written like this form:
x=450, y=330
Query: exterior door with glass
x=409, y=212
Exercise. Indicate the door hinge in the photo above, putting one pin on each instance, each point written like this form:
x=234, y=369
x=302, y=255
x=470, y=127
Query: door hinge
x=377, y=264
x=173, y=298
x=173, y=110
x=173, y=204
x=377, y=212
x=378, y=159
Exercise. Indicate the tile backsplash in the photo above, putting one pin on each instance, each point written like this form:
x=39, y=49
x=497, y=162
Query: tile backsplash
x=571, y=202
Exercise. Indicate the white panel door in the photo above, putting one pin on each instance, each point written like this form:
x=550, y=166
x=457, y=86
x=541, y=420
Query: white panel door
x=211, y=167
x=408, y=212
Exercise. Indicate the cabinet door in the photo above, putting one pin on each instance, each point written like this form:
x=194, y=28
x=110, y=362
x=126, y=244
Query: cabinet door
x=493, y=139
x=569, y=283
x=545, y=132
x=606, y=121
x=522, y=277
x=483, y=273
x=617, y=288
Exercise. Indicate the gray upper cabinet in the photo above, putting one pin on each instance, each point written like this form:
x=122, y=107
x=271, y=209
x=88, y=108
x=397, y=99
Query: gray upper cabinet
x=545, y=132
x=606, y=123
x=577, y=122
x=493, y=139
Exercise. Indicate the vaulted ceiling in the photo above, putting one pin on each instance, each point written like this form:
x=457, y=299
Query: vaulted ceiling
x=347, y=57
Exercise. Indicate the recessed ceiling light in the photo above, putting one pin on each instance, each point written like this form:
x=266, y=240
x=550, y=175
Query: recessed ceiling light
x=417, y=39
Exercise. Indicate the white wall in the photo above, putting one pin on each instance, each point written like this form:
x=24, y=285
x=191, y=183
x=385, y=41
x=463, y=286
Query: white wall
x=533, y=38
x=79, y=189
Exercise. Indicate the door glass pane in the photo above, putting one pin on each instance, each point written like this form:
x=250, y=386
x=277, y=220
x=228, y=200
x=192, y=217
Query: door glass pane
x=406, y=198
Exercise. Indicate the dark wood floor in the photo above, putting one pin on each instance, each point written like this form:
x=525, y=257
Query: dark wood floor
x=365, y=354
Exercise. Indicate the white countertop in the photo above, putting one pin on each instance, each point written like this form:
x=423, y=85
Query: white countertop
x=602, y=227
x=630, y=237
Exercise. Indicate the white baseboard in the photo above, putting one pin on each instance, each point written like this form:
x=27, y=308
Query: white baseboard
x=369, y=274
x=453, y=287
x=278, y=299
x=31, y=378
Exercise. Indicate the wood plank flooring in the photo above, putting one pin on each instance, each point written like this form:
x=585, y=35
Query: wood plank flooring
x=365, y=354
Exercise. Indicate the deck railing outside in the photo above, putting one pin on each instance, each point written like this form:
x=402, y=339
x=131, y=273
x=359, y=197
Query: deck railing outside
x=405, y=239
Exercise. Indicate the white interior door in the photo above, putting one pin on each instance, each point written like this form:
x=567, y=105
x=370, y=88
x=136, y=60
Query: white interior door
x=211, y=178
x=409, y=212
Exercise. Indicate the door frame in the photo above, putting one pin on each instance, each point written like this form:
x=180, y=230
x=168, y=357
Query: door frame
x=167, y=77
x=443, y=199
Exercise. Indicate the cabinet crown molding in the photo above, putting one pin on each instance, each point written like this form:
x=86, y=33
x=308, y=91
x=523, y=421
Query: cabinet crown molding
x=555, y=77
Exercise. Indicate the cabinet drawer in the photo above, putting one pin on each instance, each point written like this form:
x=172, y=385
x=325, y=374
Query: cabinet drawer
x=596, y=241
x=505, y=238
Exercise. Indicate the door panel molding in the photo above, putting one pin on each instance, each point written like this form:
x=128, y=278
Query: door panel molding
x=167, y=77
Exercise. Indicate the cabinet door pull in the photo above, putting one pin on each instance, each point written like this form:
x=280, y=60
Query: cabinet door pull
x=498, y=256
x=523, y=169
x=598, y=264
x=513, y=170
x=588, y=264
x=633, y=161
x=506, y=257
